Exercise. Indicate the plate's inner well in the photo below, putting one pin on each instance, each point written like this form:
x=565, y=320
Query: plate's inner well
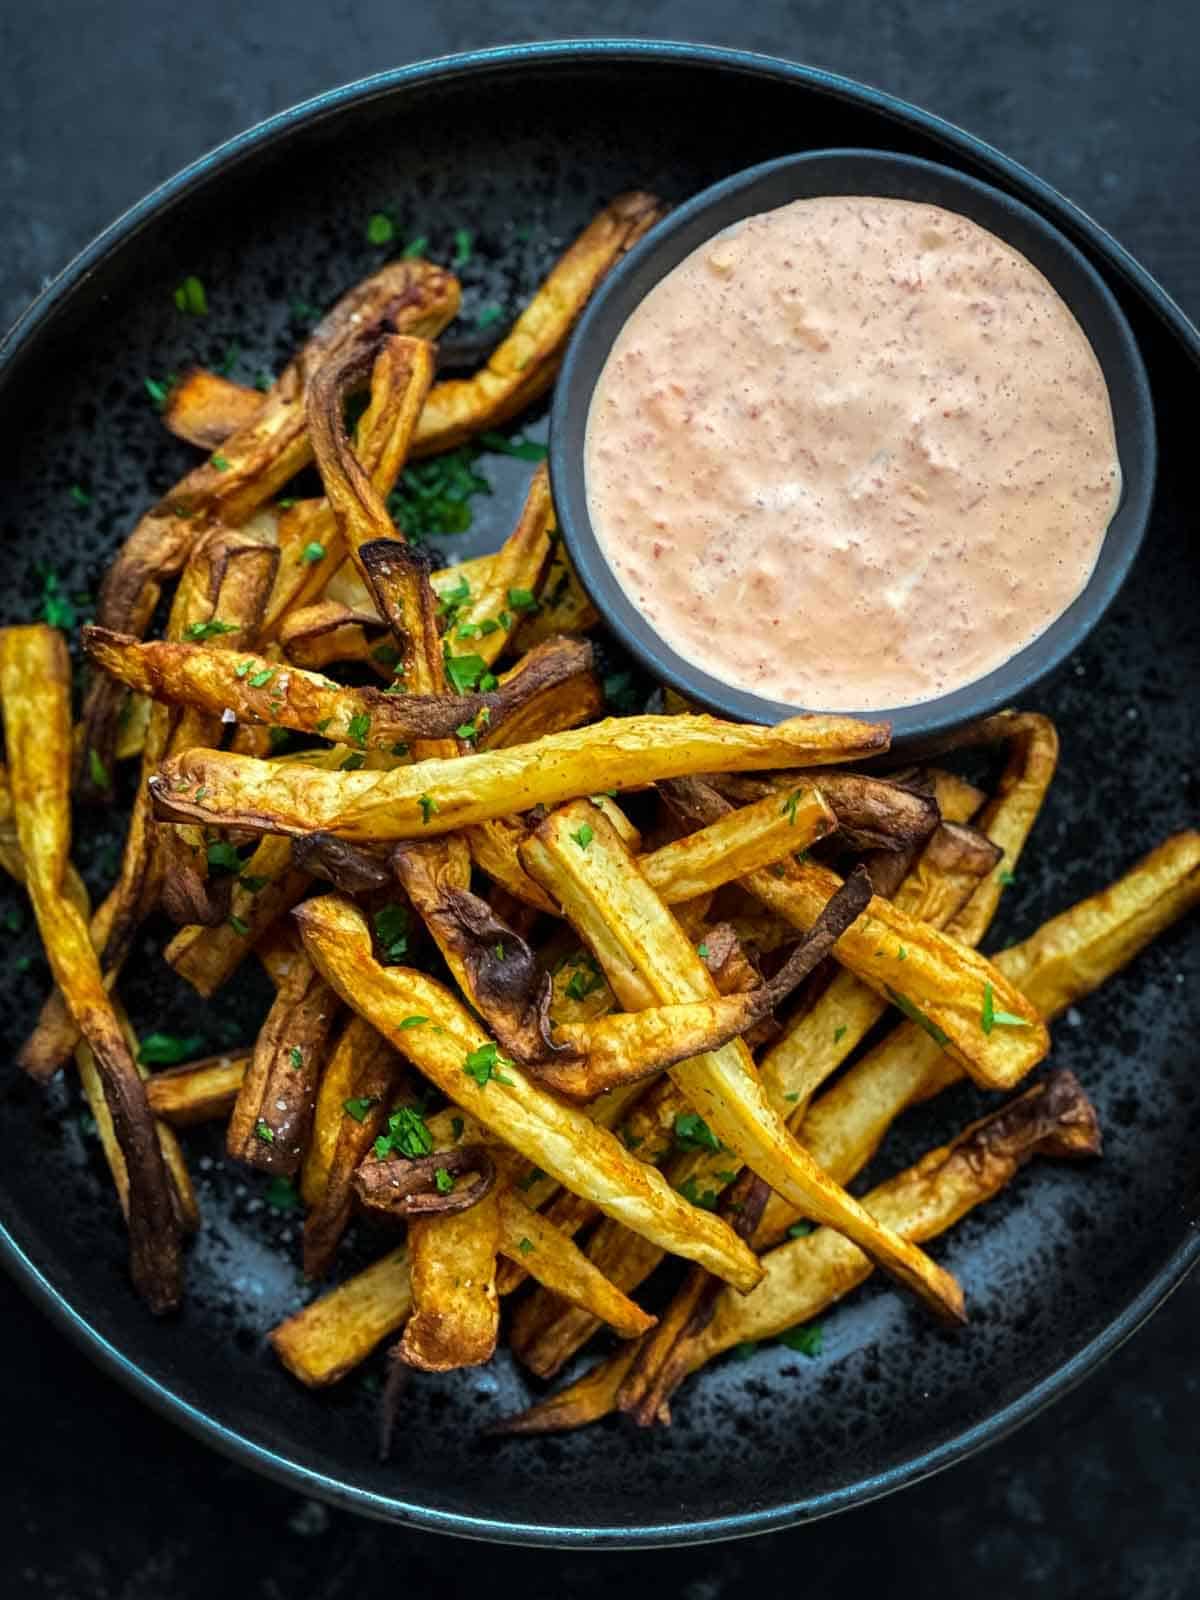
x=524, y=159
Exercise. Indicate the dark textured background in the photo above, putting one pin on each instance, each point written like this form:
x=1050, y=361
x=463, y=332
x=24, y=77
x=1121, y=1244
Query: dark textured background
x=97, y=104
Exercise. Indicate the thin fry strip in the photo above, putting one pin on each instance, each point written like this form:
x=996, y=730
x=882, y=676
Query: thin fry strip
x=455, y=1319
x=237, y=791
x=648, y=960
x=486, y=619
x=35, y=691
x=806, y=1276
x=523, y=366
x=329, y=1337
x=559, y=1140
x=197, y=1091
x=203, y=408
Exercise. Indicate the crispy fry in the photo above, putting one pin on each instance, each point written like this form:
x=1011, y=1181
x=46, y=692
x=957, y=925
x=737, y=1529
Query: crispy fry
x=559, y=1140
x=456, y=1311
x=35, y=691
x=807, y=1275
x=257, y=691
x=204, y=409
x=197, y=1091
x=254, y=462
x=328, y=1338
x=955, y=992
x=523, y=366
x=485, y=620
x=238, y=791
x=648, y=961
x=352, y=1105
x=273, y=1114
x=563, y=604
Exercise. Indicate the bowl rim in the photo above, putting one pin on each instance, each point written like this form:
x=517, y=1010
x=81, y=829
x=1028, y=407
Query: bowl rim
x=674, y=240
x=54, y=1302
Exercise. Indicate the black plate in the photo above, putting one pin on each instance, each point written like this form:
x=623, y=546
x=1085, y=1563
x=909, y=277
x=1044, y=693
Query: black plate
x=1057, y=1272
x=900, y=177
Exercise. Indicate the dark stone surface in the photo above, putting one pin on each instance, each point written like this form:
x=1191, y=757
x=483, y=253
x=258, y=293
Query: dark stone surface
x=96, y=105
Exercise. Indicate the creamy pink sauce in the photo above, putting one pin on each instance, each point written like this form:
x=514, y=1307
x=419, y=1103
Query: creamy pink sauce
x=852, y=454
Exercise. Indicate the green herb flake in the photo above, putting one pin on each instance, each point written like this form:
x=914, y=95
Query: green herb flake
x=323, y=724
x=488, y=314
x=353, y=763
x=158, y=392
x=585, y=980
x=444, y=1180
x=56, y=608
x=296, y=1057
x=1006, y=877
x=433, y=498
x=258, y=680
x=380, y=228
x=359, y=727
x=938, y=1035
x=229, y=360
x=806, y=1338
x=631, y=1140
x=413, y=1022
x=281, y=1195
x=190, y=297
x=792, y=1098
x=465, y=672
x=584, y=835
x=526, y=1247
x=239, y=927
x=991, y=1018
x=209, y=630
x=528, y=1181
x=407, y=1133
x=464, y=239
x=398, y=749
x=264, y=1131
x=428, y=807
x=303, y=311
x=220, y=461
x=744, y=1349
x=690, y=1189
x=98, y=771
x=703, y=951
x=484, y=1064
x=693, y=1133
x=456, y=1127
x=801, y=1230
x=360, y=1106
x=415, y=247
x=242, y=668
x=840, y=1033
x=788, y=808
x=391, y=933
x=279, y=739
x=251, y=884
x=522, y=599
x=80, y=496
x=222, y=857
x=620, y=691
x=313, y=551
x=168, y=1049
x=386, y=654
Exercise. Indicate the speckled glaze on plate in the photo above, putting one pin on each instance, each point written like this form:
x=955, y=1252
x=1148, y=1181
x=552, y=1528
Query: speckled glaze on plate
x=1057, y=1271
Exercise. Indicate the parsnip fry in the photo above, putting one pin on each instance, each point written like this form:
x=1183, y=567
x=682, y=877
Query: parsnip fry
x=257, y=690
x=197, y=1091
x=328, y=1338
x=559, y=1140
x=204, y=408
x=944, y=984
x=273, y=1114
x=456, y=1311
x=35, y=691
x=648, y=960
x=486, y=618
x=238, y=791
x=523, y=366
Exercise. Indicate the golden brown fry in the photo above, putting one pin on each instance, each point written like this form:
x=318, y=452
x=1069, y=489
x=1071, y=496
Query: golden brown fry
x=257, y=690
x=547, y=1254
x=268, y=888
x=456, y=1311
x=35, y=691
x=318, y=635
x=197, y=1091
x=484, y=621
x=756, y=835
x=252, y=463
x=237, y=791
x=204, y=408
x=352, y=1106
x=966, y=1004
x=807, y=1275
x=523, y=366
x=328, y=1338
x=648, y=961
x=559, y=1140
x=563, y=604
x=273, y=1114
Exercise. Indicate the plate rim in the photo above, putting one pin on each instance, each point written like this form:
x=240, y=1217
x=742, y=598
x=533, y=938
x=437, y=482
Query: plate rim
x=1081, y=229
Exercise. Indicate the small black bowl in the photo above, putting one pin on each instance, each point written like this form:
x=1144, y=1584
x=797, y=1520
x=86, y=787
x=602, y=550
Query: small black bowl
x=877, y=173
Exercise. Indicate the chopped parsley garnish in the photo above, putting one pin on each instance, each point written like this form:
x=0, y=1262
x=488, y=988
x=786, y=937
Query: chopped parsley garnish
x=386, y=654
x=938, y=1035
x=526, y=1246
x=191, y=298
x=453, y=596
x=282, y=1196
x=359, y=727
x=222, y=857
x=485, y=1063
x=806, y=1338
x=631, y=1140
x=359, y=1106
x=488, y=314
x=313, y=551
x=585, y=980
x=444, y=1180
x=258, y=680
x=242, y=668
x=465, y=672
x=1006, y=877
x=353, y=763
x=227, y=362
x=398, y=749
x=584, y=835
x=157, y=391
x=239, y=927
x=522, y=599
x=303, y=311
x=788, y=808
x=620, y=691
x=500, y=952
x=693, y=1133
x=391, y=931
x=296, y=1057
x=428, y=807
x=703, y=951
x=901, y=953
x=433, y=497
x=209, y=629
x=168, y=1049
x=278, y=738
x=839, y=1034
x=456, y=1127
x=744, y=1349
x=380, y=228
x=406, y=1133
x=80, y=496
x=415, y=247
x=522, y=449
x=463, y=241
x=690, y=1190
x=991, y=1018
x=528, y=1181
x=264, y=1131
x=56, y=608
x=413, y=1022
x=220, y=461
x=801, y=1230
x=98, y=771
x=251, y=884
x=323, y=724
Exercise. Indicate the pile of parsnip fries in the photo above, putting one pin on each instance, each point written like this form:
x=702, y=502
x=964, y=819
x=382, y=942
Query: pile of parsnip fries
x=549, y=1033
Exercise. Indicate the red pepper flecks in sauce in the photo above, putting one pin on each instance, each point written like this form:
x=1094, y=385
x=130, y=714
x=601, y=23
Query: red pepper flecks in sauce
x=852, y=454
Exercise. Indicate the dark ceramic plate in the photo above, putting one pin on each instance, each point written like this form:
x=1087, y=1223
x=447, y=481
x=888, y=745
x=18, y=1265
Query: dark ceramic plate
x=1057, y=1271
x=899, y=177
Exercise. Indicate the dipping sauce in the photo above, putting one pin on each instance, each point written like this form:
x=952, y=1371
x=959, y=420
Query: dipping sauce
x=852, y=454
